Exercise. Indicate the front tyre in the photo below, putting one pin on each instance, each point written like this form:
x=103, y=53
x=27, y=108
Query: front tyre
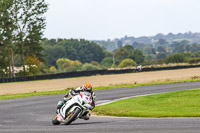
x=72, y=116
x=55, y=121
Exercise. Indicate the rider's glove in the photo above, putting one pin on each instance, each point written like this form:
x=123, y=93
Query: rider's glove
x=72, y=92
x=92, y=106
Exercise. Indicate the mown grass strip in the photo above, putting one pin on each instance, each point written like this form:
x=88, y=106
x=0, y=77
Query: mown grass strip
x=145, y=84
x=12, y=96
x=184, y=103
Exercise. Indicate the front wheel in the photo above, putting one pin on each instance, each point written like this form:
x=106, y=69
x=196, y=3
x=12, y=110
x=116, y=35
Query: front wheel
x=55, y=121
x=72, y=116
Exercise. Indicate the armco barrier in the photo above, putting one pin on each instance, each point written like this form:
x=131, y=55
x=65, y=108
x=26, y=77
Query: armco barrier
x=87, y=73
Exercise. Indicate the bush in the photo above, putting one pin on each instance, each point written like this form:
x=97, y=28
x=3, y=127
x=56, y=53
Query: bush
x=63, y=64
x=74, y=68
x=52, y=69
x=127, y=63
x=67, y=65
x=89, y=67
x=75, y=62
x=94, y=63
x=176, y=58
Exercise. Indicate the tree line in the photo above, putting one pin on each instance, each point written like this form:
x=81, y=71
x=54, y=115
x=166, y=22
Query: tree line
x=90, y=56
x=64, y=55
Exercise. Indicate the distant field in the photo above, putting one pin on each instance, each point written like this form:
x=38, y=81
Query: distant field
x=100, y=80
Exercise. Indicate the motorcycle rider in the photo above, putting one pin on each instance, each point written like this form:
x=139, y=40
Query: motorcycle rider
x=85, y=88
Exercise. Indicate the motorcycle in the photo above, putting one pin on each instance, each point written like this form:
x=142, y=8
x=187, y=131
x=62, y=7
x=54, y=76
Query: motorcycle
x=76, y=107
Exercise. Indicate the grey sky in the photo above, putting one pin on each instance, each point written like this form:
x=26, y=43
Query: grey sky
x=103, y=19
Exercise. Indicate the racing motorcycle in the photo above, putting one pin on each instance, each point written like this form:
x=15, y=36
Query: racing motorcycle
x=76, y=107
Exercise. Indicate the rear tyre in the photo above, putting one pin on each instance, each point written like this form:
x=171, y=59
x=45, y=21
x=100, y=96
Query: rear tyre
x=71, y=117
x=55, y=121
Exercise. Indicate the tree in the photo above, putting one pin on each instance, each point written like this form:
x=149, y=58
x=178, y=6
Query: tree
x=129, y=48
x=53, y=52
x=162, y=42
x=73, y=49
x=185, y=42
x=138, y=45
x=83, y=50
x=138, y=56
x=160, y=49
x=135, y=54
x=150, y=57
x=30, y=22
x=161, y=56
x=127, y=63
x=186, y=48
x=181, y=48
x=149, y=50
x=107, y=53
x=121, y=53
x=6, y=38
x=107, y=62
x=33, y=64
x=193, y=60
x=90, y=52
x=174, y=44
x=128, y=51
x=197, y=54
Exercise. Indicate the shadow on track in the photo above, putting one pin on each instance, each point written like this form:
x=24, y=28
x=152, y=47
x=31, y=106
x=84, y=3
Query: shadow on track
x=88, y=123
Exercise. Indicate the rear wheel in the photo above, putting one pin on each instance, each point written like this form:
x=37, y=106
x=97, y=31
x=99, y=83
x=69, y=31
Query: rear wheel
x=55, y=121
x=72, y=116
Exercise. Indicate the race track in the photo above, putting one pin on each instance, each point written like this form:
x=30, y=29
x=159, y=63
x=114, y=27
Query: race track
x=33, y=114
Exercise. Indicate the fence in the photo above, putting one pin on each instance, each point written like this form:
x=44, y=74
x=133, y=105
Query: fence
x=87, y=73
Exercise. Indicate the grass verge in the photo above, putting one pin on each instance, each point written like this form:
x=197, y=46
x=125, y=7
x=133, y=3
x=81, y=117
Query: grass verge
x=145, y=84
x=12, y=96
x=184, y=103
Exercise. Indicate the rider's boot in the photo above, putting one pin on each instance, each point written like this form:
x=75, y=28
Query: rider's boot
x=86, y=115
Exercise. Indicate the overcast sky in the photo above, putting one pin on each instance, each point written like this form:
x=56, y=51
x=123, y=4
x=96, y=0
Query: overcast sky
x=109, y=19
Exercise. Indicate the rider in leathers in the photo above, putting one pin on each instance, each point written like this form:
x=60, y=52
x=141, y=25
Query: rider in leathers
x=85, y=88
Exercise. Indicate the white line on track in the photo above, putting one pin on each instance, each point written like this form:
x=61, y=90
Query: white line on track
x=104, y=102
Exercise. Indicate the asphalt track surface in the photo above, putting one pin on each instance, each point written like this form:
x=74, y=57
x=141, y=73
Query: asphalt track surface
x=33, y=115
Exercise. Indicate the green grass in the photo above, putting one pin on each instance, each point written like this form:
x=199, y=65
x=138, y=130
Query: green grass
x=145, y=84
x=174, y=104
x=12, y=96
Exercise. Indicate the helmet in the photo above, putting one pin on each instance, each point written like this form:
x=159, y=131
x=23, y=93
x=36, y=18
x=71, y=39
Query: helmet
x=87, y=87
